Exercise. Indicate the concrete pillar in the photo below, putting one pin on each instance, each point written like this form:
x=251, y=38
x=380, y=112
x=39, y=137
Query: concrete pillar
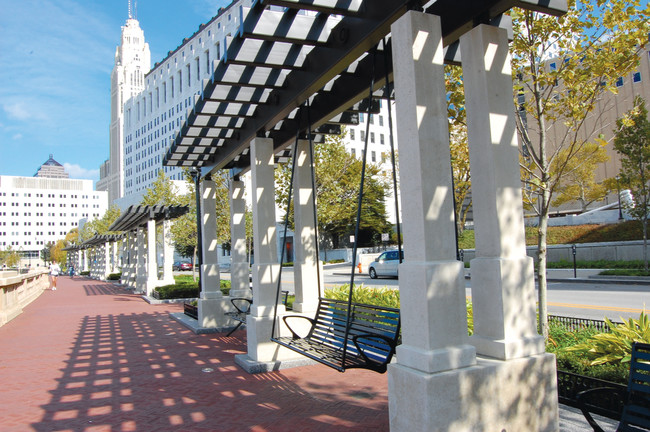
x=212, y=305
x=140, y=263
x=126, y=267
x=133, y=258
x=168, y=253
x=114, y=257
x=239, y=270
x=152, y=261
x=502, y=275
x=85, y=260
x=438, y=383
x=263, y=354
x=106, y=269
x=305, y=264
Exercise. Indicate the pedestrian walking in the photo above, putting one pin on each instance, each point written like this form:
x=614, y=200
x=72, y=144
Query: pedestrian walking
x=54, y=274
x=71, y=271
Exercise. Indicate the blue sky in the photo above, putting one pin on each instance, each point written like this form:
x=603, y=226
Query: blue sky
x=56, y=58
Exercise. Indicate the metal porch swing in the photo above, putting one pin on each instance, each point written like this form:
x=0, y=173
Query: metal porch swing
x=344, y=334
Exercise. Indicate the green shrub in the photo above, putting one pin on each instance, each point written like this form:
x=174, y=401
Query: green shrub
x=336, y=261
x=375, y=296
x=178, y=290
x=84, y=273
x=114, y=276
x=616, y=346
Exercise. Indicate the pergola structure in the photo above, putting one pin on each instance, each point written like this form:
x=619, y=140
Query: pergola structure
x=141, y=260
x=307, y=64
x=99, y=256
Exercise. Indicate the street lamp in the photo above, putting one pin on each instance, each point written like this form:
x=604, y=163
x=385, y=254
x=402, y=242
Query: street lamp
x=618, y=190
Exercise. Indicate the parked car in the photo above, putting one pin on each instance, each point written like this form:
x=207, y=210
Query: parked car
x=385, y=264
x=182, y=266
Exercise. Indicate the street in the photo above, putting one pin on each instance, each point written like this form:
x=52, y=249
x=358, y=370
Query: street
x=582, y=300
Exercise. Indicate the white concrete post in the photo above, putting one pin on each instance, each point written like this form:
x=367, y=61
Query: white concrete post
x=168, y=253
x=152, y=261
x=239, y=270
x=306, y=272
x=212, y=305
x=262, y=353
x=114, y=256
x=126, y=264
x=133, y=260
x=210, y=277
x=85, y=260
x=106, y=270
x=503, y=283
x=438, y=382
x=140, y=265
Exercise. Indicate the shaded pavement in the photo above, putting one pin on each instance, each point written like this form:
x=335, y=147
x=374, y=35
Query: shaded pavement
x=91, y=356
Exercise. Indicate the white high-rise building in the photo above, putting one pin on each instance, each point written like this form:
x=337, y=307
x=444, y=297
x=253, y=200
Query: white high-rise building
x=153, y=114
x=35, y=211
x=132, y=62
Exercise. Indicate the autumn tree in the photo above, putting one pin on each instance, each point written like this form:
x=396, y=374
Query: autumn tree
x=161, y=192
x=100, y=226
x=579, y=181
x=338, y=176
x=632, y=142
x=57, y=254
x=564, y=68
x=9, y=257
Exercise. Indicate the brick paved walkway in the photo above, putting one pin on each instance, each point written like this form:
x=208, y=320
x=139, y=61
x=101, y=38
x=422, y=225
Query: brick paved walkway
x=93, y=357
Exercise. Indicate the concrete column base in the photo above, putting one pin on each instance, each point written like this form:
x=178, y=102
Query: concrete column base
x=494, y=395
x=260, y=347
x=212, y=313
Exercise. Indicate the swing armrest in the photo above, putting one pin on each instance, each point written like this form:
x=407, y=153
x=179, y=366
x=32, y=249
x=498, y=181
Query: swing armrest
x=243, y=300
x=585, y=397
x=390, y=342
x=295, y=335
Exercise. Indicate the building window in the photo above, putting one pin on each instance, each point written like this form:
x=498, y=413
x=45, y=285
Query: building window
x=373, y=156
x=636, y=77
x=352, y=134
x=189, y=75
x=372, y=135
x=207, y=61
x=363, y=135
x=381, y=138
x=553, y=66
x=619, y=82
x=381, y=120
x=198, y=69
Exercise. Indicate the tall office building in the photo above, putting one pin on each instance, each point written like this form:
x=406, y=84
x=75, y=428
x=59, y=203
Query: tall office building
x=132, y=62
x=35, y=211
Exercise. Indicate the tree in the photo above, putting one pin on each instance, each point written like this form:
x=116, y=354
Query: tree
x=591, y=46
x=46, y=252
x=57, y=253
x=9, y=257
x=72, y=237
x=578, y=182
x=458, y=144
x=162, y=192
x=100, y=226
x=632, y=142
x=338, y=175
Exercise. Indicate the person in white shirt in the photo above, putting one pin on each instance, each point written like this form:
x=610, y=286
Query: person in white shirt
x=54, y=274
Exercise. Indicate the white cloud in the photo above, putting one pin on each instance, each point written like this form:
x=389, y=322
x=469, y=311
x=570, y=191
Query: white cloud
x=17, y=111
x=17, y=136
x=78, y=172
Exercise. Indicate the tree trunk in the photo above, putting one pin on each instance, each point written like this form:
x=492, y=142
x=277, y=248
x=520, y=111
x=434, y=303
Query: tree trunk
x=542, y=230
x=645, y=243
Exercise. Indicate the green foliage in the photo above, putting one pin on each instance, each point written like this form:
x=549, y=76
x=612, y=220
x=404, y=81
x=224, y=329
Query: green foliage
x=9, y=257
x=632, y=142
x=375, y=296
x=599, y=264
x=114, y=276
x=100, y=226
x=616, y=346
x=561, y=339
x=178, y=290
x=84, y=273
x=162, y=192
x=338, y=175
x=625, y=272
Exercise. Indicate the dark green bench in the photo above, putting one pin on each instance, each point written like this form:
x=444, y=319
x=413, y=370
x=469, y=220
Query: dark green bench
x=636, y=399
x=373, y=332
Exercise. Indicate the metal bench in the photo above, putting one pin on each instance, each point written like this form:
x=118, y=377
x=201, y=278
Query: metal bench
x=636, y=398
x=242, y=307
x=372, y=335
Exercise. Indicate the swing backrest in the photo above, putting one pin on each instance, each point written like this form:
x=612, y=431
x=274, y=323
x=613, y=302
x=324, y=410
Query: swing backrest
x=375, y=328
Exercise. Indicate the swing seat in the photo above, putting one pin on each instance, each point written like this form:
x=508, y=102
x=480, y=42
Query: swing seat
x=372, y=336
x=242, y=307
